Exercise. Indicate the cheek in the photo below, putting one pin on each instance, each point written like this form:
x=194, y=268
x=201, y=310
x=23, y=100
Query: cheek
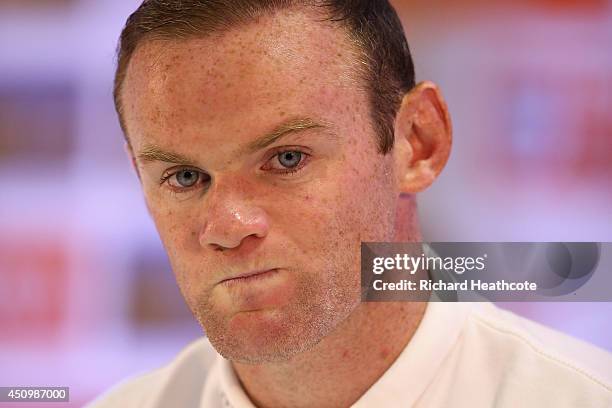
x=350, y=206
x=163, y=216
x=364, y=200
x=176, y=225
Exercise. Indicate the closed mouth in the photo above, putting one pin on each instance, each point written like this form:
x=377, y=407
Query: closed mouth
x=248, y=276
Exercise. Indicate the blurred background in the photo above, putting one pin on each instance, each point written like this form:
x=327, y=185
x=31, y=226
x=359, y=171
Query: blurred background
x=87, y=297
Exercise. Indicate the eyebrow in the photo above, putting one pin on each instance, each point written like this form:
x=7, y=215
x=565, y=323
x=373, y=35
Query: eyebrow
x=287, y=128
x=152, y=153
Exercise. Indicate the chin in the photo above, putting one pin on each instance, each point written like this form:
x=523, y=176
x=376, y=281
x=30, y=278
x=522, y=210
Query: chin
x=276, y=333
x=265, y=336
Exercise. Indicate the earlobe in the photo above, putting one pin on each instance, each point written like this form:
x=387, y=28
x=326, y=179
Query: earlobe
x=423, y=138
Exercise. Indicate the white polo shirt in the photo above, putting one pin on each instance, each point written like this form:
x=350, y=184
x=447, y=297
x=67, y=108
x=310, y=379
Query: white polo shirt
x=462, y=355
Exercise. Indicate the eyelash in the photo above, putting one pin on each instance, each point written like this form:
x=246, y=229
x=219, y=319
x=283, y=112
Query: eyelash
x=278, y=152
x=173, y=172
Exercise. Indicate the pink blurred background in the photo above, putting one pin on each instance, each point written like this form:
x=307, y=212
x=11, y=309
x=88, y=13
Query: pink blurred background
x=87, y=297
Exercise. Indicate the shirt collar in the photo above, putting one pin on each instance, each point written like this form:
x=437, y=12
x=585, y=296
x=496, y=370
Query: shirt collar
x=404, y=381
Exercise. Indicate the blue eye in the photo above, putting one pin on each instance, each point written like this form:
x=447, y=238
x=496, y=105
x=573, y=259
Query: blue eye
x=287, y=161
x=290, y=159
x=187, y=178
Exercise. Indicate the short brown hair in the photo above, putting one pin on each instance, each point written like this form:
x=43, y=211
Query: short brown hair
x=372, y=24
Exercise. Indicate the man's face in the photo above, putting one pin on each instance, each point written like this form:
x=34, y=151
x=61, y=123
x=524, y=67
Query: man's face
x=299, y=205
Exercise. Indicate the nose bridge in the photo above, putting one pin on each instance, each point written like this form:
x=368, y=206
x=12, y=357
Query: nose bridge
x=232, y=214
x=231, y=192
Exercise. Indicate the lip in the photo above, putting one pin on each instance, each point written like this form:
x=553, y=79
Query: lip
x=244, y=277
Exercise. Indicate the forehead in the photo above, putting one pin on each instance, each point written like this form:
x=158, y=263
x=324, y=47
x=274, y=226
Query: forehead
x=280, y=65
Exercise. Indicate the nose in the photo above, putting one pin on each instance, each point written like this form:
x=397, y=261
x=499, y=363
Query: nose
x=230, y=219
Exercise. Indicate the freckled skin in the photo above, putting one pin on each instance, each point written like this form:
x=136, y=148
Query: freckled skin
x=214, y=95
x=208, y=98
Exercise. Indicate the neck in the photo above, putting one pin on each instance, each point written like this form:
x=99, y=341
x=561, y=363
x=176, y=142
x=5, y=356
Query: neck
x=347, y=362
x=343, y=366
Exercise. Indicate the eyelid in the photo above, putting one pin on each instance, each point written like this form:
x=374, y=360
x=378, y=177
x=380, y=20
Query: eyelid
x=168, y=174
x=174, y=170
x=274, y=153
x=281, y=149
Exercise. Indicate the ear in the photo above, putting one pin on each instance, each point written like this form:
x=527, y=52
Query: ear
x=423, y=138
x=130, y=153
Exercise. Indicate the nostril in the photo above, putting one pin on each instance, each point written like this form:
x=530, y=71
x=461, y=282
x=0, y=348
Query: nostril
x=217, y=247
